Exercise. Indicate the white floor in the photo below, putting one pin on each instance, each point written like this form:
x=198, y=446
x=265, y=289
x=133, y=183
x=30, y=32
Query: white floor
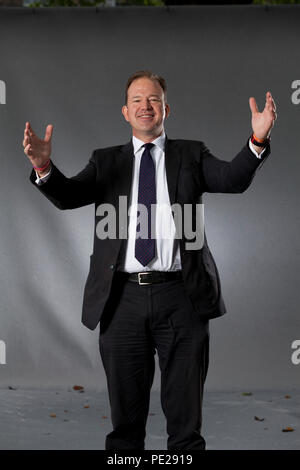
x=68, y=419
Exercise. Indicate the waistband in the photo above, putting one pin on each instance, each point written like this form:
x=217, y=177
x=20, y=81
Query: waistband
x=150, y=277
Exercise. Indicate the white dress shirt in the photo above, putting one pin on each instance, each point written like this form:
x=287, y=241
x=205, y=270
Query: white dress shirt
x=167, y=256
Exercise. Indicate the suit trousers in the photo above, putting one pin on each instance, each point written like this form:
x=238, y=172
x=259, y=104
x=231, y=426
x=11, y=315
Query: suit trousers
x=138, y=321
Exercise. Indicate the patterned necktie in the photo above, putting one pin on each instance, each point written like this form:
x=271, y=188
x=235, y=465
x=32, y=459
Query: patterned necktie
x=145, y=247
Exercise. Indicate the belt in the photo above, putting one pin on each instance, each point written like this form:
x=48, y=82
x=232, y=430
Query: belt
x=151, y=277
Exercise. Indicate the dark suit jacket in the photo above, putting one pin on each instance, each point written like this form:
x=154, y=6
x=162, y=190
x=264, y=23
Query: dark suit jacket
x=191, y=171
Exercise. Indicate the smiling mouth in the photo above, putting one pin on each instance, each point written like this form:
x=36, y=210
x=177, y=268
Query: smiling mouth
x=146, y=116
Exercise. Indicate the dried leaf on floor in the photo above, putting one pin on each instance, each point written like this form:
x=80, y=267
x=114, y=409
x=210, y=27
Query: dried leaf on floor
x=78, y=387
x=258, y=419
x=287, y=429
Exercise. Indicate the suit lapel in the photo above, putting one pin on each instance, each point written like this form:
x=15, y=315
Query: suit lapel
x=124, y=168
x=173, y=162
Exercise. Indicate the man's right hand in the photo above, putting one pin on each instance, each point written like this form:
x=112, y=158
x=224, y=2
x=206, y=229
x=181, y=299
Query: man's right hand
x=38, y=150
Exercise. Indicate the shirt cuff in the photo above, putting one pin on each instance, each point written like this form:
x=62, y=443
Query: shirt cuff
x=40, y=180
x=258, y=155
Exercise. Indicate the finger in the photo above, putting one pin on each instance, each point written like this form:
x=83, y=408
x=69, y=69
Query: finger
x=270, y=105
x=28, y=149
x=253, y=105
x=271, y=108
x=27, y=135
x=26, y=131
x=48, y=133
x=268, y=97
x=270, y=100
x=30, y=130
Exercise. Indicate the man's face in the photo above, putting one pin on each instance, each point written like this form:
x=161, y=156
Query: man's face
x=146, y=109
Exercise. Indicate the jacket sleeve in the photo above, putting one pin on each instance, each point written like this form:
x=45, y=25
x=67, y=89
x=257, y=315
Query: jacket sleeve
x=235, y=176
x=70, y=193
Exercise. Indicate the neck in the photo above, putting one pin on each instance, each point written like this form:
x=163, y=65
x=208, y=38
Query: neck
x=147, y=138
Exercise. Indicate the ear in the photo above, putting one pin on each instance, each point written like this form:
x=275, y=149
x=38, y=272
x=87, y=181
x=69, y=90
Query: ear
x=125, y=112
x=167, y=109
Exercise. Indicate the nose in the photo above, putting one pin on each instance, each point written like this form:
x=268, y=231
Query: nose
x=146, y=104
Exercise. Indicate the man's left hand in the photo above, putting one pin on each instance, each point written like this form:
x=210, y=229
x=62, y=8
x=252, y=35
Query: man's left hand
x=263, y=122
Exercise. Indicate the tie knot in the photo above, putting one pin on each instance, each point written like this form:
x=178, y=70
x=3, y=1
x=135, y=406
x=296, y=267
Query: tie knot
x=148, y=146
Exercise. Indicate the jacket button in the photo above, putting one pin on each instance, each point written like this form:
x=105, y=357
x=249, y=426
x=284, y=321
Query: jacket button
x=112, y=266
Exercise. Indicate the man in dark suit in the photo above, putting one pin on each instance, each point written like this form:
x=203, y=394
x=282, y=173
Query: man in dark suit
x=154, y=290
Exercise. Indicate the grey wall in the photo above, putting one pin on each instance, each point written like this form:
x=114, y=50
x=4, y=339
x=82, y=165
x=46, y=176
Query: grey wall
x=69, y=67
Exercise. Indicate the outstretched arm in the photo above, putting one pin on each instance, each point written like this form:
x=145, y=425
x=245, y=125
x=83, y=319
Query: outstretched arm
x=235, y=176
x=63, y=192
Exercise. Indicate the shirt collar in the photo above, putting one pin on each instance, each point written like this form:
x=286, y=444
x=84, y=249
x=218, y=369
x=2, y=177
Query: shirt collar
x=159, y=141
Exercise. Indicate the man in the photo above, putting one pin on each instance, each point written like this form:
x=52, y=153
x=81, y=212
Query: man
x=153, y=293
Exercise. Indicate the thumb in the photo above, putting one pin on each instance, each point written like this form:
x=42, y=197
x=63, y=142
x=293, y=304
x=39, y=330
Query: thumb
x=253, y=105
x=48, y=133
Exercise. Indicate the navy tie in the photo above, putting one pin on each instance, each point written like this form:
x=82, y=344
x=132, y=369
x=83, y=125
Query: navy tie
x=145, y=247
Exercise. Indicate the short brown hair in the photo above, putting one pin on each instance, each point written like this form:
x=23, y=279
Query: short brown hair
x=146, y=74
